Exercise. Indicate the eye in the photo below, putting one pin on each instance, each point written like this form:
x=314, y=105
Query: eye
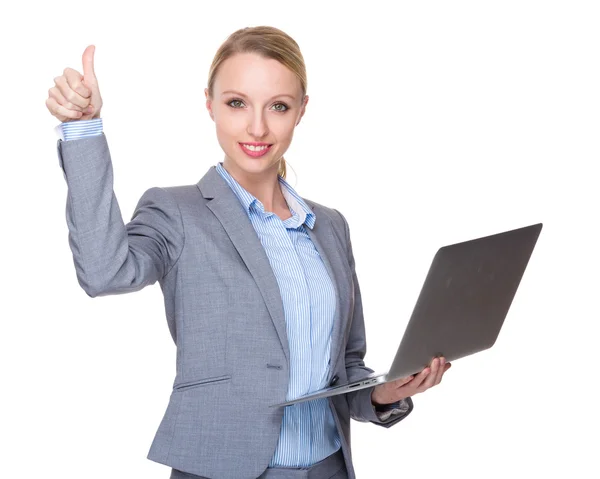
x=283, y=105
x=234, y=100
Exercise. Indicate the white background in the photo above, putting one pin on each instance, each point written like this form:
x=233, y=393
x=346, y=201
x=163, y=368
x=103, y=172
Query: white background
x=439, y=121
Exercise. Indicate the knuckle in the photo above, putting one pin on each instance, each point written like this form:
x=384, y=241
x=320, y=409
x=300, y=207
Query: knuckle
x=82, y=90
x=69, y=95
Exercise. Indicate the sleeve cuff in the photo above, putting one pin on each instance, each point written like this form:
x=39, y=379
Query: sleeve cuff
x=385, y=411
x=73, y=130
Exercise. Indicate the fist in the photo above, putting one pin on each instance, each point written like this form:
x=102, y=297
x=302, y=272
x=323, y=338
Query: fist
x=75, y=96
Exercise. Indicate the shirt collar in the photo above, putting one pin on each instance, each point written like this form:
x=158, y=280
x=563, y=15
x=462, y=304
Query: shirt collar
x=301, y=212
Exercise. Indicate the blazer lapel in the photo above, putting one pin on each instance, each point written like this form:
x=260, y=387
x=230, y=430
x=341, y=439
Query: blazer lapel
x=230, y=212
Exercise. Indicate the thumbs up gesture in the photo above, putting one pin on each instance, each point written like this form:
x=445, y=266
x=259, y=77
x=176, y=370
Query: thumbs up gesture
x=76, y=96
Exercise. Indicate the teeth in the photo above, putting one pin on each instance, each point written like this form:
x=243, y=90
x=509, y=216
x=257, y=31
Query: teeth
x=254, y=148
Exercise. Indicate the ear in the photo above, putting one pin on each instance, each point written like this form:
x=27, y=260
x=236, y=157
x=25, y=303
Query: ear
x=209, y=104
x=303, y=110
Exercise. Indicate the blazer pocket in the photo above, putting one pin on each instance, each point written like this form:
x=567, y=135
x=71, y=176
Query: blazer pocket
x=203, y=382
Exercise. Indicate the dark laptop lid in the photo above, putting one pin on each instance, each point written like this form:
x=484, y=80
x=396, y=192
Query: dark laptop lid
x=465, y=298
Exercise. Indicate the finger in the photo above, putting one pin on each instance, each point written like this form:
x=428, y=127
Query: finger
x=418, y=380
x=55, y=93
x=71, y=95
x=75, y=81
x=62, y=113
x=398, y=383
x=429, y=381
x=446, y=367
x=441, y=369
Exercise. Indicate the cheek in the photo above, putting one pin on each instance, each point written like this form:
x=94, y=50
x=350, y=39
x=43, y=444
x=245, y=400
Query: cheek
x=229, y=131
x=227, y=124
x=283, y=129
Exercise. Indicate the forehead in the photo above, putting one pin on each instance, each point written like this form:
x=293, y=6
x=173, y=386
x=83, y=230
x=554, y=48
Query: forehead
x=252, y=74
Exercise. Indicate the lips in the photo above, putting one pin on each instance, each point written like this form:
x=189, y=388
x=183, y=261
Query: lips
x=257, y=153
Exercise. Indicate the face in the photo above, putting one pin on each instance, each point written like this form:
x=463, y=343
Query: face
x=255, y=100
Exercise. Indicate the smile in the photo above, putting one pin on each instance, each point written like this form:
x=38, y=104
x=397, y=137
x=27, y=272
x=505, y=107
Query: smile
x=255, y=151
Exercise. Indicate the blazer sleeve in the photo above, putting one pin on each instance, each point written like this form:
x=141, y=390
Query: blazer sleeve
x=109, y=256
x=359, y=402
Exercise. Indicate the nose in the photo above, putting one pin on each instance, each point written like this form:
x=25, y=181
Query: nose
x=257, y=125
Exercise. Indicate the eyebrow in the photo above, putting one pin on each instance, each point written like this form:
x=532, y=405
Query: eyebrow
x=241, y=94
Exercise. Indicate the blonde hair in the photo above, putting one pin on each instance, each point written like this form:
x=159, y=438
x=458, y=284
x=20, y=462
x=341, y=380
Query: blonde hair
x=268, y=42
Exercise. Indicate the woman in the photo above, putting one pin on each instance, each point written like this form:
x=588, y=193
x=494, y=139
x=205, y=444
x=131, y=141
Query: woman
x=260, y=288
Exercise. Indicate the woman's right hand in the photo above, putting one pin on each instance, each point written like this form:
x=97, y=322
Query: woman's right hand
x=74, y=93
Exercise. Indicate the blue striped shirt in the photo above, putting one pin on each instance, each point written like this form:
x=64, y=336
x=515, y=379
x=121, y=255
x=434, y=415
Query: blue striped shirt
x=308, y=431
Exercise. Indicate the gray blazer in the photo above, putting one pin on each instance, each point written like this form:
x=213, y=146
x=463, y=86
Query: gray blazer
x=223, y=309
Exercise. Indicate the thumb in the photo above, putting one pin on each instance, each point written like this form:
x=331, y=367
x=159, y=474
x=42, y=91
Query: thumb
x=402, y=381
x=89, y=76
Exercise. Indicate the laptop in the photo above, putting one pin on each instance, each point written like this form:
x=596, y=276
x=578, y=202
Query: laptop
x=462, y=305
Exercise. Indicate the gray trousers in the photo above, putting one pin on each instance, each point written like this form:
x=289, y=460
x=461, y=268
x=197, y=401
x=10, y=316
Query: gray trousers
x=332, y=467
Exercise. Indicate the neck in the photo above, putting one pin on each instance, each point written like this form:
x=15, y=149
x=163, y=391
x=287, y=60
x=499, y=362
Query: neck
x=264, y=186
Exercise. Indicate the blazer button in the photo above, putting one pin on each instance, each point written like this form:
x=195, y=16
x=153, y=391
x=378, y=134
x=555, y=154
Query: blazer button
x=334, y=380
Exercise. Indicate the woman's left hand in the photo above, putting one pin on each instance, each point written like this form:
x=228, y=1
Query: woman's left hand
x=402, y=388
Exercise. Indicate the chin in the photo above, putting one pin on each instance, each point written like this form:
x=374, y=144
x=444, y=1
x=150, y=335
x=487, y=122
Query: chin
x=253, y=164
x=250, y=165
